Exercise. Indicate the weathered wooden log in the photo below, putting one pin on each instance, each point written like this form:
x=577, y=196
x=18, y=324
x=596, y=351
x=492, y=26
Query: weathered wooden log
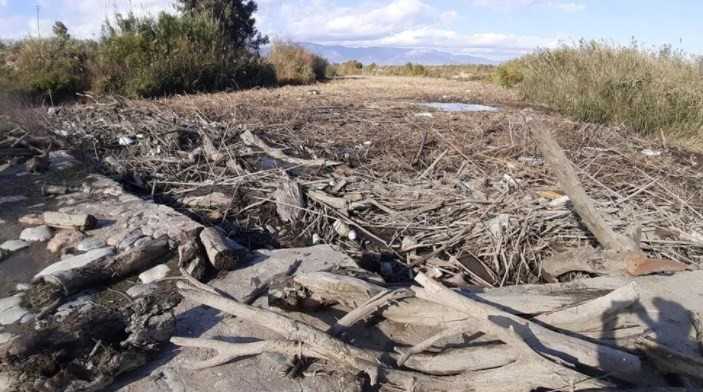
x=302, y=338
x=290, y=201
x=608, y=262
x=252, y=140
x=223, y=253
x=570, y=184
x=62, y=220
x=191, y=256
x=614, y=362
x=136, y=259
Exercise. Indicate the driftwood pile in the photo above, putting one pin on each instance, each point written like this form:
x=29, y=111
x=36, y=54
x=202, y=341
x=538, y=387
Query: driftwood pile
x=476, y=214
x=455, y=222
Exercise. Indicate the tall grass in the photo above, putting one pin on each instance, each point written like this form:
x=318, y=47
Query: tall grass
x=650, y=92
x=294, y=64
x=457, y=72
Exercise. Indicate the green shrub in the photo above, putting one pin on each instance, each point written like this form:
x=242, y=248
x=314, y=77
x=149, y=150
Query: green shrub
x=510, y=73
x=56, y=66
x=650, y=92
x=294, y=64
x=173, y=54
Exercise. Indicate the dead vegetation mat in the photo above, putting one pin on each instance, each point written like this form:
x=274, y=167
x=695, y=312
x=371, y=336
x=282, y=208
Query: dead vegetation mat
x=465, y=195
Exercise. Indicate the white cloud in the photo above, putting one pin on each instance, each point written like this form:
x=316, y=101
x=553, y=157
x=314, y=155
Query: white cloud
x=3, y=3
x=562, y=5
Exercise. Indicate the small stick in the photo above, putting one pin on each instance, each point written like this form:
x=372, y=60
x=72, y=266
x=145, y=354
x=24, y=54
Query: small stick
x=263, y=287
x=201, y=285
x=380, y=300
x=427, y=343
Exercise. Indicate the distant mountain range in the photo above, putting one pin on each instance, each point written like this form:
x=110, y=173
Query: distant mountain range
x=392, y=56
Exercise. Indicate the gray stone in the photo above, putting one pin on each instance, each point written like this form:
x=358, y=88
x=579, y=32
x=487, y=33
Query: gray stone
x=5, y=337
x=157, y=273
x=59, y=160
x=141, y=290
x=14, y=245
x=130, y=240
x=22, y=287
x=77, y=261
x=27, y=318
x=12, y=199
x=142, y=240
x=36, y=234
x=90, y=243
x=11, y=311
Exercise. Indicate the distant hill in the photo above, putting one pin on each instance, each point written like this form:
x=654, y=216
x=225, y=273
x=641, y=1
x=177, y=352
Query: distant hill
x=392, y=56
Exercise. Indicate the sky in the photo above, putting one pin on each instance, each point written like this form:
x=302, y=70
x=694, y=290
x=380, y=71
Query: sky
x=495, y=29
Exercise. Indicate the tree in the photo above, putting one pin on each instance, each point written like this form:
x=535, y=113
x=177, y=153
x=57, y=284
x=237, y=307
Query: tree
x=60, y=30
x=235, y=18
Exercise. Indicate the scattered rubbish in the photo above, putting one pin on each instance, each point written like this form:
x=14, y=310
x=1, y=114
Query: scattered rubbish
x=652, y=153
x=316, y=239
x=125, y=140
x=560, y=201
x=460, y=107
x=531, y=161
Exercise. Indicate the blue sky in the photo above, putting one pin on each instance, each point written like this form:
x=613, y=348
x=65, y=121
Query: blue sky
x=496, y=29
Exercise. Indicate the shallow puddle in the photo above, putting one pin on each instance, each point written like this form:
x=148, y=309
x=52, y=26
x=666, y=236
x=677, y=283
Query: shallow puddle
x=460, y=107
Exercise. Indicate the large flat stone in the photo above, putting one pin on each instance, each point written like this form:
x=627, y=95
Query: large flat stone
x=36, y=234
x=11, y=311
x=76, y=261
x=14, y=245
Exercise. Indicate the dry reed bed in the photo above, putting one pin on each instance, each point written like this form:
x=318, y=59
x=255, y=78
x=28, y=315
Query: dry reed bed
x=463, y=185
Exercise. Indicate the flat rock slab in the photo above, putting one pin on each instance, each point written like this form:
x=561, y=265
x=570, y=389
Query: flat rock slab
x=256, y=373
x=63, y=239
x=11, y=310
x=14, y=245
x=11, y=199
x=141, y=290
x=36, y=234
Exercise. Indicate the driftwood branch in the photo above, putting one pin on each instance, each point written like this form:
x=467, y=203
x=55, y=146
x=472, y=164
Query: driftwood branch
x=570, y=184
x=611, y=361
x=252, y=140
x=381, y=300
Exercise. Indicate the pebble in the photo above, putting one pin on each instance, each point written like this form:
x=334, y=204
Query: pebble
x=63, y=239
x=157, y=273
x=27, y=318
x=90, y=243
x=141, y=290
x=14, y=245
x=31, y=219
x=36, y=234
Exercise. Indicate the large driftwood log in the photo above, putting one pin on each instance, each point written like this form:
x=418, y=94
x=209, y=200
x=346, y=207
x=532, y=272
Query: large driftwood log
x=252, y=140
x=302, y=339
x=223, y=253
x=136, y=259
x=570, y=349
x=570, y=184
x=62, y=220
x=290, y=201
x=592, y=315
x=608, y=262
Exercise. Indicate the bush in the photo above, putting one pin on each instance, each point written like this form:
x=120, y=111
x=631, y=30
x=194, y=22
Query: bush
x=173, y=54
x=509, y=74
x=650, y=92
x=294, y=64
x=57, y=66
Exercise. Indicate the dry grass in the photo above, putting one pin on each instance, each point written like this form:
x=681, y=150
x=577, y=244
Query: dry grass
x=371, y=124
x=656, y=93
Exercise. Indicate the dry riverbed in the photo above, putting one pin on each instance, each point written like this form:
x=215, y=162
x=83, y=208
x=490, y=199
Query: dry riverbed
x=333, y=219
